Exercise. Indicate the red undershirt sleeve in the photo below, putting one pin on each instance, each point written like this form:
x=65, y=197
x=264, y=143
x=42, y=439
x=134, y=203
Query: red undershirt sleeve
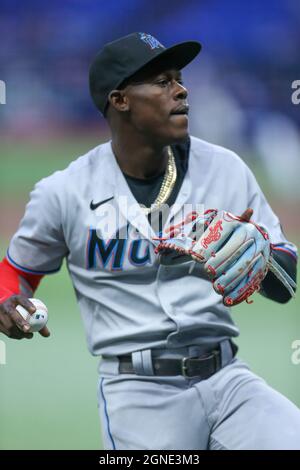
x=15, y=281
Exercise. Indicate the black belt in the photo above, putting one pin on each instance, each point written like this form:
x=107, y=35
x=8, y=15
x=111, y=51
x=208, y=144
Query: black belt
x=202, y=366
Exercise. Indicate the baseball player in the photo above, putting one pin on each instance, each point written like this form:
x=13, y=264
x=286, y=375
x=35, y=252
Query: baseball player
x=155, y=283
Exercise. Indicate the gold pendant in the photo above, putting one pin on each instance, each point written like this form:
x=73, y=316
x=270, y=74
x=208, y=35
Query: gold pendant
x=167, y=184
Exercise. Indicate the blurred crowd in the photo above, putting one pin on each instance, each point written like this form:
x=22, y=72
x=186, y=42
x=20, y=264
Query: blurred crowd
x=240, y=86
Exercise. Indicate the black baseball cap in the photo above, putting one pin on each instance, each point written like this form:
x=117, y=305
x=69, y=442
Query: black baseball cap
x=120, y=59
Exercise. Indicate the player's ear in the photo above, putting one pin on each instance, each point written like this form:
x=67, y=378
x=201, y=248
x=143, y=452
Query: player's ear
x=118, y=100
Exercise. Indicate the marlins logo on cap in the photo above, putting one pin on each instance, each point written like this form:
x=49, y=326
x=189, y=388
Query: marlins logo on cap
x=151, y=41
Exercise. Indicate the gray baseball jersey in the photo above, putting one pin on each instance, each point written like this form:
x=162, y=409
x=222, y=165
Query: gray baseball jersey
x=129, y=301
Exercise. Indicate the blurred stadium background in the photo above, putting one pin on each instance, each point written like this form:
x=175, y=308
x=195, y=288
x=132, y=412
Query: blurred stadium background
x=240, y=96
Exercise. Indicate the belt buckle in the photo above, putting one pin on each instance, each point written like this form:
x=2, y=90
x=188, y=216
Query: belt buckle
x=184, y=368
x=215, y=355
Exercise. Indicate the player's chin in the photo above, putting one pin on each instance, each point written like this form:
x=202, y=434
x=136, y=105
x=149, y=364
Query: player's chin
x=178, y=129
x=179, y=135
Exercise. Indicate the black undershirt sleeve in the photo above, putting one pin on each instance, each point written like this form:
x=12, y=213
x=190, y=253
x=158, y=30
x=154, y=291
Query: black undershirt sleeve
x=271, y=287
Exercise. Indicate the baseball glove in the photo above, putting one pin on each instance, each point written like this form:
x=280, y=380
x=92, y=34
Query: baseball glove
x=235, y=252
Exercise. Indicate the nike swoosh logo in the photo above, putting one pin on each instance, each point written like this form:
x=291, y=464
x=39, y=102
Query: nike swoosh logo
x=94, y=206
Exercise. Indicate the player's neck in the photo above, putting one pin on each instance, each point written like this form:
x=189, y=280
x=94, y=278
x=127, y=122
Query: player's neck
x=139, y=159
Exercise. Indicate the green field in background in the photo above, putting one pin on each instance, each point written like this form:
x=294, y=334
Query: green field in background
x=48, y=387
x=25, y=162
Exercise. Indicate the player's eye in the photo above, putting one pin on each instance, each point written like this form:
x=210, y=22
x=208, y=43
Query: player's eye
x=163, y=82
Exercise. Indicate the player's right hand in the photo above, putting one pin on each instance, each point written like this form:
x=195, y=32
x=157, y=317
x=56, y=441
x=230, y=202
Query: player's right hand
x=12, y=324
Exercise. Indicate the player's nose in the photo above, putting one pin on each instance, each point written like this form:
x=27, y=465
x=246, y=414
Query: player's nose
x=181, y=92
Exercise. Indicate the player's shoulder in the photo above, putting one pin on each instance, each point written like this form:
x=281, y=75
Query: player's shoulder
x=87, y=162
x=203, y=150
x=79, y=169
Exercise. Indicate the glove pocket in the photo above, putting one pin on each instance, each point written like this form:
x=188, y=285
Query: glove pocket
x=236, y=271
x=244, y=285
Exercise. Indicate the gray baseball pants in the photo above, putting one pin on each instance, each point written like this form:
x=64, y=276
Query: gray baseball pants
x=233, y=409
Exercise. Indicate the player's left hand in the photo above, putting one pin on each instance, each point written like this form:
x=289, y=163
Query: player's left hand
x=235, y=252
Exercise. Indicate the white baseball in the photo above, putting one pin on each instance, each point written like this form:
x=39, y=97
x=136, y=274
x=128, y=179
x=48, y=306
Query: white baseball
x=38, y=319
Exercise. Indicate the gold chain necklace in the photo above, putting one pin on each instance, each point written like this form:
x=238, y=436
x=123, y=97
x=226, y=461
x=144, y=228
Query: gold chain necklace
x=167, y=184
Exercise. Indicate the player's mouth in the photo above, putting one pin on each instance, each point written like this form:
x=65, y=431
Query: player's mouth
x=181, y=112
